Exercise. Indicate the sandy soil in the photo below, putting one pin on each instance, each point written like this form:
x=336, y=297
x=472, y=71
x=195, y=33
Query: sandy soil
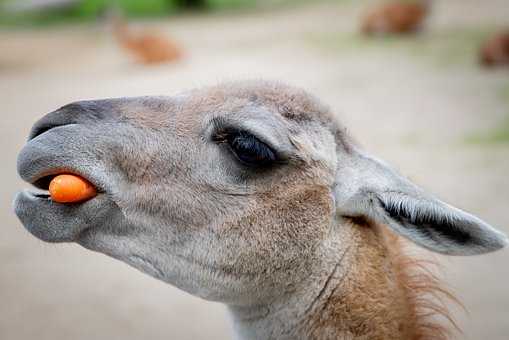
x=404, y=107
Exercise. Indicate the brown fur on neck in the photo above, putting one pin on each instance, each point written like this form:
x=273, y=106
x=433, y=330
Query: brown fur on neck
x=387, y=294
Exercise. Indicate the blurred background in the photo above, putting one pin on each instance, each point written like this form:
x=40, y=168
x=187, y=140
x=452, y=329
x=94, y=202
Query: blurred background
x=427, y=90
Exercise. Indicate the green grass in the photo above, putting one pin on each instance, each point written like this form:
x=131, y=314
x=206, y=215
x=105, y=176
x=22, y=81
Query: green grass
x=443, y=48
x=447, y=47
x=504, y=93
x=87, y=10
x=497, y=135
x=230, y=4
x=93, y=8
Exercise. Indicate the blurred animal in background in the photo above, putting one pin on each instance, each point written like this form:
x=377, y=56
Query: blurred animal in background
x=148, y=47
x=396, y=17
x=495, y=50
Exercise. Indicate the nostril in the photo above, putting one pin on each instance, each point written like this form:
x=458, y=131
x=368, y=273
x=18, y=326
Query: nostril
x=66, y=115
x=74, y=113
x=39, y=129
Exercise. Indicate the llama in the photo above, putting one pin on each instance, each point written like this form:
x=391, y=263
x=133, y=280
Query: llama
x=495, y=50
x=251, y=193
x=396, y=17
x=148, y=47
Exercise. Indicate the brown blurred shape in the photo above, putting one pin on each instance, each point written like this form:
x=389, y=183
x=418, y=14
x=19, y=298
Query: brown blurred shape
x=395, y=17
x=149, y=47
x=495, y=50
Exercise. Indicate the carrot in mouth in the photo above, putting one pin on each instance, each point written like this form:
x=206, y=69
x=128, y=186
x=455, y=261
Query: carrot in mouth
x=68, y=188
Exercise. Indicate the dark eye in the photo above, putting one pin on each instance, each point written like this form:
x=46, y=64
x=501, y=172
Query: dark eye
x=249, y=150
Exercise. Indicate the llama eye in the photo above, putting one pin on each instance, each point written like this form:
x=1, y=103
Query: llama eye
x=250, y=151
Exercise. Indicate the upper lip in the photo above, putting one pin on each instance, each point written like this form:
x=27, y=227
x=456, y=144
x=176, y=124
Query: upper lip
x=42, y=127
x=41, y=175
x=50, y=152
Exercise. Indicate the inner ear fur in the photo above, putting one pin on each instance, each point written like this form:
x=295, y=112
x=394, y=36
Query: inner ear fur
x=369, y=188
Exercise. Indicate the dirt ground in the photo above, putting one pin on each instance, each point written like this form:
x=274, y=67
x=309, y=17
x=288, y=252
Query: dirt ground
x=425, y=108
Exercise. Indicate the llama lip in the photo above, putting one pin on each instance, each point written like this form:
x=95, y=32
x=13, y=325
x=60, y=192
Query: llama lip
x=42, y=180
x=56, y=222
x=54, y=152
x=41, y=159
x=39, y=194
x=40, y=190
x=43, y=187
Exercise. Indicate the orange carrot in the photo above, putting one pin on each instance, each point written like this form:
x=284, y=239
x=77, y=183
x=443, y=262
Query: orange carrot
x=68, y=188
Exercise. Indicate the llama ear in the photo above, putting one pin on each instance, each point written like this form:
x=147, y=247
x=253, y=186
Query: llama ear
x=373, y=190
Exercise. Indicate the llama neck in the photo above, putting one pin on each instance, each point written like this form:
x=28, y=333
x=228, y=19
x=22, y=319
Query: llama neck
x=358, y=294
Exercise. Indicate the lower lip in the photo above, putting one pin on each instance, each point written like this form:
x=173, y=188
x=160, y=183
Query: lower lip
x=39, y=194
x=56, y=222
x=43, y=195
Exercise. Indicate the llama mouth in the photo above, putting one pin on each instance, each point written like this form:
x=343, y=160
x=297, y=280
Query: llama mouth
x=51, y=221
x=40, y=194
x=57, y=222
x=41, y=185
x=40, y=189
x=40, y=160
x=54, y=152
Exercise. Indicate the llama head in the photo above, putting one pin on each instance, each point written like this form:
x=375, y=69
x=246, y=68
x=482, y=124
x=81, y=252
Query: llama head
x=227, y=192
